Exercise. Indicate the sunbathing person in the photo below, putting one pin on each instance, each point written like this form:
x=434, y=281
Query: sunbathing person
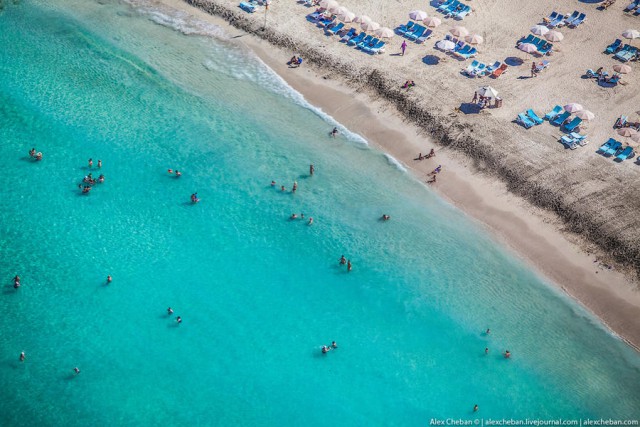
x=292, y=61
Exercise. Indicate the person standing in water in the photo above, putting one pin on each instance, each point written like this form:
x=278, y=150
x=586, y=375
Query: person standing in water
x=76, y=370
x=179, y=320
x=99, y=163
x=295, y=186
x=109, y=279
x=343, y=260
x=334, y=132
x=311, y=169
x=348, y=265
x=22, y=356
x=90, y=163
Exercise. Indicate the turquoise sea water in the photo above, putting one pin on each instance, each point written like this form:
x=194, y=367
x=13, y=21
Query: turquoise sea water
x=145, y=90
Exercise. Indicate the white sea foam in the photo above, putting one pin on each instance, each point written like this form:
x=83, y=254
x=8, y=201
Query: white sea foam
x=395, y=162
x=238, y=63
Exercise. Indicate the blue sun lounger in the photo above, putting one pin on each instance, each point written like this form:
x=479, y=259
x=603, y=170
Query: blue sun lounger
x=605, y=147
x=425, y=36
x=579, y=20
x=377, y=47
x=365, y=42
x=334, y=29
x=613, y=148
x=625, y=154
x=247, y=7
x=570, y=127
x=346, y=37
x=533, y=116
x=580, y=139
x=405, y=27
x=553, y=113
x=419, y=30
x=556, y=21
x=568, y=20
x=357, y=39
x=524, y=121
x=613, y=47
x=569, y=142
x=559, y=120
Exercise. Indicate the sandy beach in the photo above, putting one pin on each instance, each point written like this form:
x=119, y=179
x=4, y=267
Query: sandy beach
x=568, y=213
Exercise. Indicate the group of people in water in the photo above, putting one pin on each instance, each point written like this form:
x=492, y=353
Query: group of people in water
x=344, y=261
x=89, y=181
x=37, y=156
x=326, y=348
x=170, y=312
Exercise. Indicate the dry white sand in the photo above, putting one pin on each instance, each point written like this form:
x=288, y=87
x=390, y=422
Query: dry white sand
x=585, y=189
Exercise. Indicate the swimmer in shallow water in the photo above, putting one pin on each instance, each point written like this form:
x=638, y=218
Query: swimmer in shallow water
x=179, y=320
x=169, y=311
x=325, y=349
x=293, y=216
x=349, y=265
x=386, y=217
x=22, y=356
x=310, y=220
x=76, y=370
x=109, y=279
x=333, y=344
x=343, y=260
x=507, y=354
x=334, y=132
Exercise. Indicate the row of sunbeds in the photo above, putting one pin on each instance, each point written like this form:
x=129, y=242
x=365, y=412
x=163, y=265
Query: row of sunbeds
x=556, y=117
x=624, y=53
x=544, y=47
x=479, y=69
x=454, y=9
x=614, y=148
x=414, y=32
x=558, y=20
x=363, y=41
x=461, y=49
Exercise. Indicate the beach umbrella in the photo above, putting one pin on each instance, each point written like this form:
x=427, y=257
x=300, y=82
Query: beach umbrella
x=539, y=30
x=631, y=34
x=627, y=132
x=445, y=45
x=459, y=31
x=573, y=107
x=554, y=36
x=326, y=4
x=417, y=15
x=474, y=39
x=346, y=16
x=487, y=92
x=384, y=32
x=622, y=68
x=369, y=26
x=361, y=18
x=585, y=115
x=432, y=21
x=528, y=47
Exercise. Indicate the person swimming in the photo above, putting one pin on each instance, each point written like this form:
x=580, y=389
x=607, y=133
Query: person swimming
x=293, y=216
x=76, y=370
x=109, y=279
x=22, y=356
x=343, y=260
x=334, y=132
x=295, y=186
x=333, y=344
x=273, y=183
x=16, y=279
x=349, y=265
x=39, y=155
x=194, y=198
x=282, y=188
x=101, y=179
x=386, y=217
x=178, y=173
x=507, y=354
x=179, y=320
x=86, y=189
x=99, y=163
x=169, y=311
x=325, y=349
x=310, y=221
x=90, y=163
x=170, y=170
x=32, y=152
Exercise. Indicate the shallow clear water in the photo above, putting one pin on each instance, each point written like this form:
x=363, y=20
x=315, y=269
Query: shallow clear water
x=145, y=90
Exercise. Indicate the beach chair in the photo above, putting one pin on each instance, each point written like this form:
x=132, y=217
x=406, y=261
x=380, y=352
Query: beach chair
x=569, y=142
x=560, y=118
x=364, y=42
x=625, y=154
x=247, y=7
x=462, y=51
x=551, y=18
x=556, y=21
x=491, y=68
x=620, y=122
x=542, y=66
x=579, y=20
x=334, y=29
x=545, y=48
x=405, y=27
x=534, y=117
x=346, y=37
x=571, y=126
x=443, y=6
x=605, y=147
x=580, y=139
x=324, y=22
x=528, y=39
x=357, y=39
x=313, y=17
x=471, y=69
x=378, y=48
x=632, y=6
x=469, y=54
x=462, y=13
x=524, y=121
x=553, y=113
x=425, y=36
x=500, y=71
x=419, y=30
x=613, y=47
x=613, y=148
x=568, y=20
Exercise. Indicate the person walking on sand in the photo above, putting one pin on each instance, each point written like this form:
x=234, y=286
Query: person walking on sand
x=533, y=69
x=403, y=46
x=475, y=97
